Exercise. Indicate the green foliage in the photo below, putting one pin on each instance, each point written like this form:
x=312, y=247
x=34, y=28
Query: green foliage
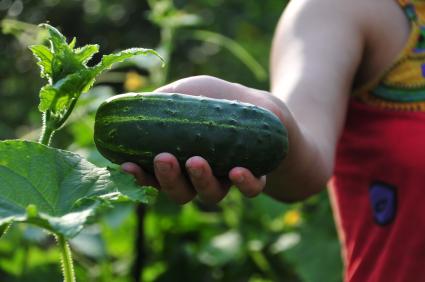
x=312, y=259
x=165, y=14
x=274, y=241
x=68, y=197
x=65, y=68
x=236, y=49
x=73, y=190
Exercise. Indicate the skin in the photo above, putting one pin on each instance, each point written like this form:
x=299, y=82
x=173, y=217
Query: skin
x=321, y=51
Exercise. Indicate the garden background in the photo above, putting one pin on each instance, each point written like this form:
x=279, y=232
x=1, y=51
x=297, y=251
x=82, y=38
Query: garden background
x=238, y=240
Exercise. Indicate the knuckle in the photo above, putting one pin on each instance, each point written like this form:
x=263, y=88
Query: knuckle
x=201, y=183
x=251, y=192
x=184, y=200
x=209, y=192
x=168, y=181
x=204, y=77
x=211, y=198
x=165, y=188
x=250, y=195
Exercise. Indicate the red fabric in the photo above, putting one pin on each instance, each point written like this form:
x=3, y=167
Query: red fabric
x=385, y=146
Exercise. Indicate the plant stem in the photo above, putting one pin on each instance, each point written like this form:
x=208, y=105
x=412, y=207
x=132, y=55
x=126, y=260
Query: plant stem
x=46, y=131
x=46, y=136
x=68, y=113
x=26, y=258
x=166, y=44
x=66, y=259
x=139, y=244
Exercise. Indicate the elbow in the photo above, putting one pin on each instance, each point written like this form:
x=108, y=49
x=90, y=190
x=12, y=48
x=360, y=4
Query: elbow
x=302, y=194
x=301, y=188
x=311, y=181
x=312, y=185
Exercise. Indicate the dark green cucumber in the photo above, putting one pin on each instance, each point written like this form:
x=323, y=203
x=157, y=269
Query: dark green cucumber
x=136, y=127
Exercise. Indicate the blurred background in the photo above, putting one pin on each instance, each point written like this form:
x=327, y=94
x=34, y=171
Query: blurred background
x=255, y=240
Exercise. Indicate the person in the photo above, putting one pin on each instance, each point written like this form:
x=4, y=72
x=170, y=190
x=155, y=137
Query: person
x=347, y=80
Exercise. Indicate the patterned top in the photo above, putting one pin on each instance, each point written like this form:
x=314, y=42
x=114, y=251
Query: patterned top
x=402, y=86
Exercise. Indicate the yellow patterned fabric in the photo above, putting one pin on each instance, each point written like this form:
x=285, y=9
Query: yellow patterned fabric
x=402, y=86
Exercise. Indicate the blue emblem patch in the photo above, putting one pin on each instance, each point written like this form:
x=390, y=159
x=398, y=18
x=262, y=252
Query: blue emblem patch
x=383, y=198
x=423, y=70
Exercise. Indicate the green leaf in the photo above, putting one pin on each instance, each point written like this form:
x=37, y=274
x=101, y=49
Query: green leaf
x=109, y=60
x=47, y=95
x=84, y=54
x=58, y=190
x=59, y=96
x=68, y=75
x=57, y=40
x=318, y=240
x=90, y=243
x=72, y=43
x=222, y=249
x=44, y=59
x=3, y=229
x=166, y=15
x=26, y=33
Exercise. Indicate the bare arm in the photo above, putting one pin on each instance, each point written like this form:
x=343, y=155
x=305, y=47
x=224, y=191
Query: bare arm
x=316, y=52
x=315, y=55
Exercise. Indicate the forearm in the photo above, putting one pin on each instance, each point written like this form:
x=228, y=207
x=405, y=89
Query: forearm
x=309, y=162
x=312, y=72
x=305, y=170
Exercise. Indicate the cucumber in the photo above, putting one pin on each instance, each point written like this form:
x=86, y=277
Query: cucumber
x=135, y=127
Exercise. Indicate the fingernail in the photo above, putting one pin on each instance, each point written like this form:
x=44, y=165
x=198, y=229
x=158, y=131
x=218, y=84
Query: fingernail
x=162, y=167
x=240, y=179
x=125, y=166
x=195, y=172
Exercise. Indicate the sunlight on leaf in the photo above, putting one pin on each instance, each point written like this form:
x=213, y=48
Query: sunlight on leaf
x=3, y=229
x=109, y=60
x=222, y=249
x=72, y=43
x=285, y=242
x=44, y=57
x=84, y=54
x=69, y=198
x=164, y=14
x=26, y=33
x=65, y=68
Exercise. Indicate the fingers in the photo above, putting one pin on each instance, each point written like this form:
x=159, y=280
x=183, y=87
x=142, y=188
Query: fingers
x=203, y=183
x=172, y=181
x=208, y=86
x=195, y=85
x=209, y=188
x=142, y=178
x=247, y=183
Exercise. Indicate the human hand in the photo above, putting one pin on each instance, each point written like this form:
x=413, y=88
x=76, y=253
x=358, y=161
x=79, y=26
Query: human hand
x=199, y=180
x=171, y=180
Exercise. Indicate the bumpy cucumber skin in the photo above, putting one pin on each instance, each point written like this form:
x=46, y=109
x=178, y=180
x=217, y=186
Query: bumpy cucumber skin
x=135, y=127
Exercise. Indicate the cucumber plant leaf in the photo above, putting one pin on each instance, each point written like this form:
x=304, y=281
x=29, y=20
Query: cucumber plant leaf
x=57, y=98
x=58, y=190
x=85, y=53
x=45, y=57
x=65, y=68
